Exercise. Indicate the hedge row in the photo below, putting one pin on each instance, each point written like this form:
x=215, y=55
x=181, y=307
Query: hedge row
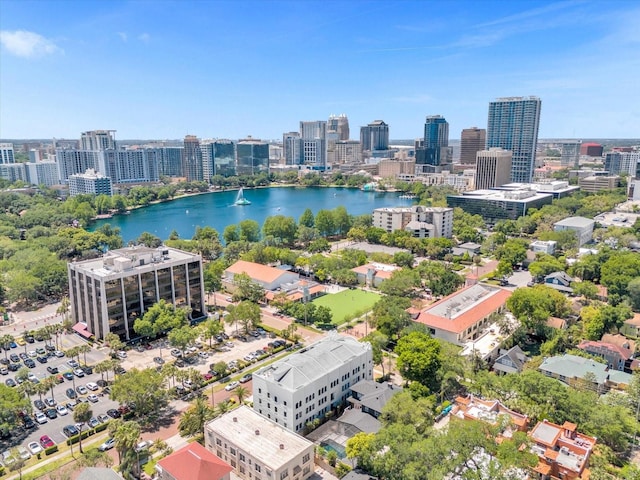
x=76, y=438
x=50, y=450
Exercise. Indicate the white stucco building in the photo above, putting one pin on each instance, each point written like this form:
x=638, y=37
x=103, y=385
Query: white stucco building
x=581, y=225
x=311, y=382
x=257, y=448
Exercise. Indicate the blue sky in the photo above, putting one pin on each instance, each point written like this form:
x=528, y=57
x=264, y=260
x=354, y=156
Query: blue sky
x=161, y=69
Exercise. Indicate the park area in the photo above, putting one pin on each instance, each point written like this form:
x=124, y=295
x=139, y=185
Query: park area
x=347, y=304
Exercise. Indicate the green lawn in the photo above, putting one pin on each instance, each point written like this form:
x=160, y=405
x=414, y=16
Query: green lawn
x=347, y=303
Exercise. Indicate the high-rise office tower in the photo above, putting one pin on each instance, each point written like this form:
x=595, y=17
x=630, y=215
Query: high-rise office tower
x=98, y=140
x=171, y=161
x=472, y=140
x=223, y=156
x=252, y=157
x=374, y=136
x=313, y=148
x=436, y=142
x=6, y=153
x=493, y=168
x=192, y=159
x=339, y=124
x=570, y=153
x=513, y=125
x=291, y=148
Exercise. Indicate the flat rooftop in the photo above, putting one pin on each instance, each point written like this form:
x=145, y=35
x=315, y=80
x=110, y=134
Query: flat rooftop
x=314, y=361
x=106, y=265
x=269, y=443
x=517, y=196
x=578, y=222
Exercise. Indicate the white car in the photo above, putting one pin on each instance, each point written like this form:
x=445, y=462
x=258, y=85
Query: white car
x=81, y=389
x=92, y=386
x=34, y=447
x=192, y=349
x=93, y=398
x=23, y=453
x=203, y=354
x=142, y=445
x=62, y=410
x=33, y=354
x=40, y=418
x=58, y=353
x=231, y=386
x=122, y=354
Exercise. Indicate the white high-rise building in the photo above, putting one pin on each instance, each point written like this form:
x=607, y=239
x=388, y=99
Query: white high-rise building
x=98, y=140
x=513, y=125
x=6, y=153
x=91, y=183
x=43, y=173
x=313, y=149
x=71, y=162
x=570, y=153
x=309, y=383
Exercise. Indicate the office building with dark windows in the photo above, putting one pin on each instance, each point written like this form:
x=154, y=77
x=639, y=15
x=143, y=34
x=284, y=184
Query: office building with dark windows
x=472, y=140
x=252, y=157
x=107, y=294
x=434, y=155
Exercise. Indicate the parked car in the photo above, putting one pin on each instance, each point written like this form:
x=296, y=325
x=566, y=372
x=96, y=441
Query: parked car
x=231, y=386
x=108, y=445
x=93, y=423
x=103, y=418
x=92, y=386
x=23, y=453
x=70, y=431
x=39, y=404
x=71, y=393
x=30, y=363
x=40, y=418
x=73, y=364
x=10, y=382
x=246, y=378
x=122, y=354
x=81, y=389
x=34, y=448
x=51, y=402
x=42, y=359
x=92, y=397
x=52, y=370
x=113, y=413
x=62, y=410
x=46, y=442
x=52, y=413
x=142, y=446
x=32, y=378
x=176, y=353
x=158, y=360
x=28, y=422
x=67, y=376
x=78, y=372
x=59, y=353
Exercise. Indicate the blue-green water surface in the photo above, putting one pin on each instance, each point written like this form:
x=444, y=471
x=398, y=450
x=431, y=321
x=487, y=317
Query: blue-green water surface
x=217, y=209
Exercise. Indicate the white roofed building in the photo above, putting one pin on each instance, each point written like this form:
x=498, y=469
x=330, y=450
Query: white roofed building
x=311, y=382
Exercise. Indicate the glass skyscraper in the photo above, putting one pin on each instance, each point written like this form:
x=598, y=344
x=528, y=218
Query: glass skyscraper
x=513, y=125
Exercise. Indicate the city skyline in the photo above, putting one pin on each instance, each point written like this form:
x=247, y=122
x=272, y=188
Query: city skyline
x=171, y=69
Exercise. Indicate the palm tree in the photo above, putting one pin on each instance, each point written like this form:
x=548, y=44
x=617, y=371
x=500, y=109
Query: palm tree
x=84, y=349
x=22, y=374
x=95, y=458
x=210, y=329
x=28, y=388
x=57, y=330
x=169, y=371
x=194, y=419
x=63, y=308
x=241, y=393
x=126, y=435
x=49, y=383
x=102, y=368
x=223, y=407
x=5, y=340
x=41, y=388
x=81, y=415
x=73, y=352
x=160, y=446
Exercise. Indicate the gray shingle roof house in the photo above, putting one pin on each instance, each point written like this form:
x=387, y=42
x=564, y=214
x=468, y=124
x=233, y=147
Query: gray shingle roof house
x=372, y=396
x=510, y=361
x=559, y=281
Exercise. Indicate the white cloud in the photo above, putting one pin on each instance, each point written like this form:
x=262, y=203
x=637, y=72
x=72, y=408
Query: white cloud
x=123, y=36
x=22, y=43
x=144, y=37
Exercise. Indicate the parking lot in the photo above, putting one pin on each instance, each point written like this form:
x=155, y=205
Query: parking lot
x=61, y=405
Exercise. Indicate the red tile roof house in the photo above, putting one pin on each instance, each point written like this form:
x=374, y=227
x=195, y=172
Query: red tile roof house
x=562, y=451
x=618, y=358
x=489, y=411
x=270, y=278
x=463, y=315
x=193, y=462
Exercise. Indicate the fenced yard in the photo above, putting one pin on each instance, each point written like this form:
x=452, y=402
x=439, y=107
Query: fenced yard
x=347, y=304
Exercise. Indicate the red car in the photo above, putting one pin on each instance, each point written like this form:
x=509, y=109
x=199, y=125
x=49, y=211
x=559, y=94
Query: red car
x=46, y=442
x=207, y=376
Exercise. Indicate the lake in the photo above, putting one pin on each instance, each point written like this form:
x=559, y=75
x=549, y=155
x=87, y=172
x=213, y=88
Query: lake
x=217, y=209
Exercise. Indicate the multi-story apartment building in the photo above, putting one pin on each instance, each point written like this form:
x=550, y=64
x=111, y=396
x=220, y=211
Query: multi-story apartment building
x=130, y=166
x=90, y=182
x=394, y=168
x=309, y=383
x=472, y=140
x=6, y=154
x=622, y=162
x=109, y=293
x=192, y=159
x=98, y=140
x=43, y=173
x=513, y=125
x=72, y=161
x=170, y=161
x=257, y=448
x=291, y=148
x=493, y=168
x=348, y=152
x=422, y=222
x=13, y=172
